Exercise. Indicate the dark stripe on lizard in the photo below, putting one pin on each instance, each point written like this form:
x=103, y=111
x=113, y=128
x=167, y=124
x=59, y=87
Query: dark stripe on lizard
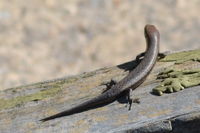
x=131, y=81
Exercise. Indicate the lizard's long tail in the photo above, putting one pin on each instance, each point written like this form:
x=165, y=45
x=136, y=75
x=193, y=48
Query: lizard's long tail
x=97, y=101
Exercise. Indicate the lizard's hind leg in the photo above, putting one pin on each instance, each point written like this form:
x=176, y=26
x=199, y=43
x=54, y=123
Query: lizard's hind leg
x=128, y=97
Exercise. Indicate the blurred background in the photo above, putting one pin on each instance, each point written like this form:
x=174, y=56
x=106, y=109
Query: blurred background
x=48, y=39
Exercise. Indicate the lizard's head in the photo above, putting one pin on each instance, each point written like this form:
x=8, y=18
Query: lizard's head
x=151, y=32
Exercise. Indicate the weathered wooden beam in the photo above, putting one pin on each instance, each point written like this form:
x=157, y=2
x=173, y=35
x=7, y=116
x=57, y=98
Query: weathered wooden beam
x=22, y=107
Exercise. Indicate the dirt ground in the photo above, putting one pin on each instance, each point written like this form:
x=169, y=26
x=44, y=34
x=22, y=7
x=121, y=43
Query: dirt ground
x=48, y=39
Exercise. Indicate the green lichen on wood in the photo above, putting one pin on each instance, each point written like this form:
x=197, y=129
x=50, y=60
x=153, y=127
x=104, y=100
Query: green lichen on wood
x=176, y=80
x=181, y=57
x=19, y=100
x=45, y=84
x=49, y=89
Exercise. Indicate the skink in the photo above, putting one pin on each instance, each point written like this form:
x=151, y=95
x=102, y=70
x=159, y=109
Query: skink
x=131, y=81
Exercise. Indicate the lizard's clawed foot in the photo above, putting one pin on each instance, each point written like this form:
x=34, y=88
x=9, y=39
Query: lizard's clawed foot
x=109, y=84
x=161, y=55
x=128, y=97
x=138, y=57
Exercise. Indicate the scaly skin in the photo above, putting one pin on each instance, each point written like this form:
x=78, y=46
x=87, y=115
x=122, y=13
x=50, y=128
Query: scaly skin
x=131, y=81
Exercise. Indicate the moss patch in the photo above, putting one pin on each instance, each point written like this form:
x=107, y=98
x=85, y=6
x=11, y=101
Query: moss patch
x=183, y=56
x=176, y=80
x=51, y=88
x=17, y=101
